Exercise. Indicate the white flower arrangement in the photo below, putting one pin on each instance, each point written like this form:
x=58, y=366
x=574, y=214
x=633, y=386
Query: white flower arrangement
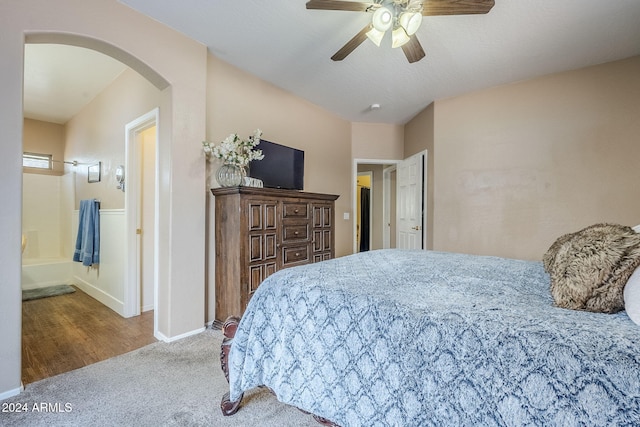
x=234, y=150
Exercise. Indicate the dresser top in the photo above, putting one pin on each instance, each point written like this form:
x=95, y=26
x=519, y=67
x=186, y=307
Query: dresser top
x=272, y=192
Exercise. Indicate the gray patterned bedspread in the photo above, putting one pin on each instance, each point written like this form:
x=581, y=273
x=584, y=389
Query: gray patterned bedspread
x=415, y=338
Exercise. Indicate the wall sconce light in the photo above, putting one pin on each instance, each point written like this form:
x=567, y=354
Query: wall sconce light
x=120, y=177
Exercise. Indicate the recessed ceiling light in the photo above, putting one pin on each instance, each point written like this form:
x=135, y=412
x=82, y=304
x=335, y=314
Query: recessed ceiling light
x=375, y=106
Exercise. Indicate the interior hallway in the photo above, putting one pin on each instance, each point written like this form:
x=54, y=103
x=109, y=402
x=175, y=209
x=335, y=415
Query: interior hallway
x=67, y=332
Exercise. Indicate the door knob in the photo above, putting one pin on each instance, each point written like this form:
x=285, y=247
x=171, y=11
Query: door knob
x=417, y=228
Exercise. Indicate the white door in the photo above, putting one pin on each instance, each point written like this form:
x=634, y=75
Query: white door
x=147, y=217
x=410, y=203
x=140, y=196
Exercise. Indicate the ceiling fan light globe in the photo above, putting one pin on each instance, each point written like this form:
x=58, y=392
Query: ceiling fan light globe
x=375, y=36
x=410, y=21
x=382, y=19
x=399, y=37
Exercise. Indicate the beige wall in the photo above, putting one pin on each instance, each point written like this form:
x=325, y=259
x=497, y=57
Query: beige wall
x=179, y=70
x=97, y=133
x=44, y=138
x=419, y=132
x=11, y=48
x=518, y=165
x=239, y=102
x=377, y=141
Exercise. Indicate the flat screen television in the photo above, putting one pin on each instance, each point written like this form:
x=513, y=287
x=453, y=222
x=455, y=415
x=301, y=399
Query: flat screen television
x=282, y=166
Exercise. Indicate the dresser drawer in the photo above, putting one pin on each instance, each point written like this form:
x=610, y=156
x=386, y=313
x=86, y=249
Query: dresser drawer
x=295, y=210
x=294, y=255
x=295, y=232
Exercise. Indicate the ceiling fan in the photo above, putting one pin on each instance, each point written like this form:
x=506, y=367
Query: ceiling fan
x=402, y=17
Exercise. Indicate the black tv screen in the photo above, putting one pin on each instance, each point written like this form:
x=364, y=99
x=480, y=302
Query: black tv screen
x=282, y=166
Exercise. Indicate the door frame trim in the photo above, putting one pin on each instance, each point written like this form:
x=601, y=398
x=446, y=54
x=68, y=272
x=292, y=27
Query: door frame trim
x=132, y=289
x=370, y=175
x=354, y=191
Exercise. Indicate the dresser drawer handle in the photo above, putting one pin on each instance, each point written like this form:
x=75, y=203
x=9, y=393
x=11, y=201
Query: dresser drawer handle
x=297, y=253
x=296, y=210
x=296, y=233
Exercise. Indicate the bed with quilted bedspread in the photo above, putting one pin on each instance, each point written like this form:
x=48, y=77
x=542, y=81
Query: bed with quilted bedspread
x=423, y=338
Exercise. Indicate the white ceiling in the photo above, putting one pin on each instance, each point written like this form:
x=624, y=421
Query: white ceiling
x=282, y=42
x=60, y=80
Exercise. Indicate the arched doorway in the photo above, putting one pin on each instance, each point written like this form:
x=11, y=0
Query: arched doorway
x=71, y=92
x=169, y=60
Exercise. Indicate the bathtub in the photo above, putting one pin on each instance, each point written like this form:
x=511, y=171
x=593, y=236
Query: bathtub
x=41, y=272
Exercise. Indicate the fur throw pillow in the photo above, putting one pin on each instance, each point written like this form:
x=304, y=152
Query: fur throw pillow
x=590, y=268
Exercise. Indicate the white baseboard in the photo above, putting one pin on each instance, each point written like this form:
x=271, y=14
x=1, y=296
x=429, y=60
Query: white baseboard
x=160, y=336
x=147, y=308
x=10, y=393
x=106, y=299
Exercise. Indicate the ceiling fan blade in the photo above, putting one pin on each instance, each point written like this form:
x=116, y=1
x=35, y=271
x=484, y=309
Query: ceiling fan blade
x=413, y=50
x=456, y=7
x=341, y=5
x=351, y=44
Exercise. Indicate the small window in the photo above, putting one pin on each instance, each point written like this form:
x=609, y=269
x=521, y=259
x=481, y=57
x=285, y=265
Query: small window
x=38, y=161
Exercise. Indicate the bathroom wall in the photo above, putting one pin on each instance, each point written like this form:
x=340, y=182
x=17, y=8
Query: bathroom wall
x=95, y=134
x=44, y=138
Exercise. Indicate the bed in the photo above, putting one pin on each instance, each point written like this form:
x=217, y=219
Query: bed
x=425, y=338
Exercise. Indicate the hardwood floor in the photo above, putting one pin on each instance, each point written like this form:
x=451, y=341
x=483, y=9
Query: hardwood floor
x=70, y=331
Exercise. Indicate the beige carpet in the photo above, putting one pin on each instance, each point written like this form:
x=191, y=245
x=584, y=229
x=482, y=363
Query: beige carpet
x=176, y=384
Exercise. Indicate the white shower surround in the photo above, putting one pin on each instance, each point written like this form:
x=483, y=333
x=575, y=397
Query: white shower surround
x=43, y=272
x=46, y=223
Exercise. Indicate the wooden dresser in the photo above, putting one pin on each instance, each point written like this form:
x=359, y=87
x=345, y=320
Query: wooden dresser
x=259, y=231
